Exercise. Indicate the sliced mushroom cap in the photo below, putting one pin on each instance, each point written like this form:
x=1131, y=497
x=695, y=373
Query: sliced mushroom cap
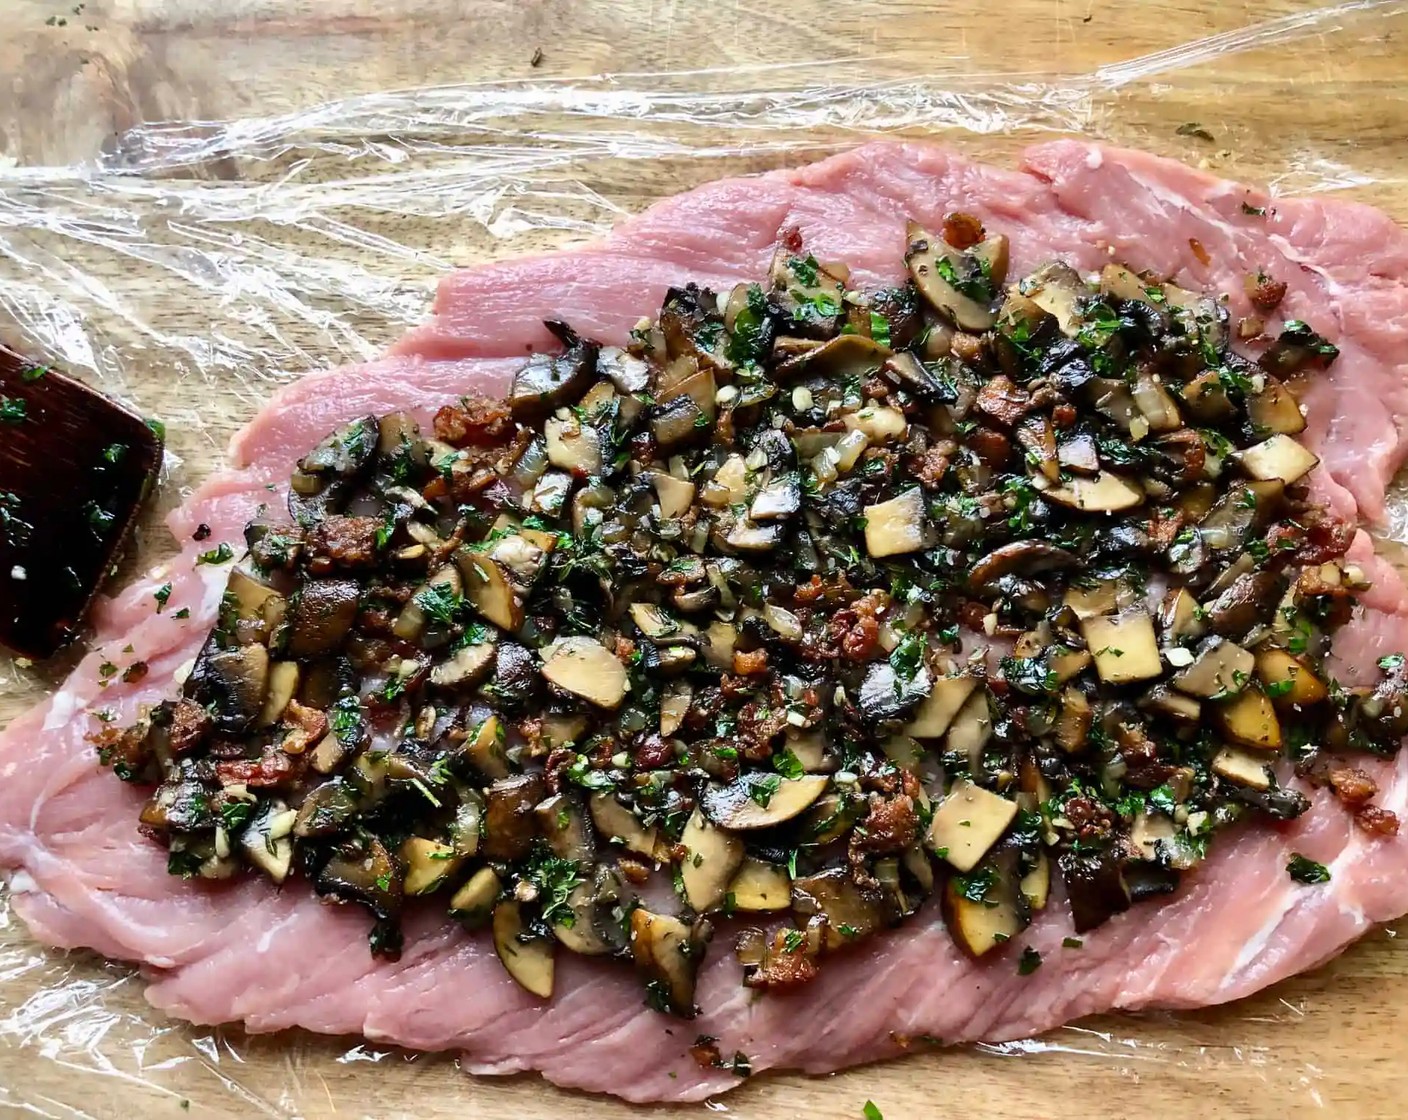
x=528, y=959
x=1057, y=289
x=852, y=912
x=267, y=839
x=1248, y=720
x=563, y=822
x=474, y=902
x=888, y=695
x=1124, y=647
x=846, y=355
x=321, y=613
x=675, y=495
x=1279, y=458
x=510, y=825
x=546, y=381
x=1105, y=493
x=429, y=864
x=1025, y=557
x=950, y=279
x=231, y=684
x=465, y=667
x=326, y=476
x=711, y=858
x=936, y=712
x=1289, y=680
x=617, y=824
x=364, y=872
x=982, y=922
x=487, y=588
x=668, y=954
x=760, y=800
x=585, y=668
x=284, y=678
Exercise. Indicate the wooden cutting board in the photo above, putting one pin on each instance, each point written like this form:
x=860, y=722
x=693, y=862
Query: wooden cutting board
x=1318, y=108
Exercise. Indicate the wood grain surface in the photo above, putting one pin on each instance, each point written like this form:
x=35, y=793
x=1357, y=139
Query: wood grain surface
x=237, y=273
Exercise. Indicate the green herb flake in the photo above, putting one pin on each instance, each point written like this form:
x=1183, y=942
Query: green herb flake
x=13, y=410
x=763, y=787
x=219, y=555
x=1304, y=870
x=1029, y=962
x=162, y=595
x=870, y=1112
x=1390, y=662
x=1072, y=942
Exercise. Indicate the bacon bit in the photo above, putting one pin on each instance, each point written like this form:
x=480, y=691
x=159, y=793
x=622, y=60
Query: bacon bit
x=875, y=388
x=759, y=724
x=962, y=231
x=306, y=726
x=273, y=769
x=1163, y=527
x=966, y=347
x=1265, y=293
x=705, y=1052
x=790, y=238
x=1353, y=786
x=1064, y=415
x=892, y=825
x=808, y=592
x=134, y=673
x=347, y=542
x=781, y=968
x=624, y=648
x=190, y=723
x=1187, y=446
x=1321, y=538
x=930, y=467
x=653, y=752
x=475, y=420
x=991, y=446
x=747, y=663
x=633, y=871
x=1090, y=819
x=854, y=631
x=1199, y=251
x=1144, y=768
x=1378, y=821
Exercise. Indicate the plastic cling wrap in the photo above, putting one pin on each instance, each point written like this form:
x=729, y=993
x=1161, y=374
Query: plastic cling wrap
x=197, y=266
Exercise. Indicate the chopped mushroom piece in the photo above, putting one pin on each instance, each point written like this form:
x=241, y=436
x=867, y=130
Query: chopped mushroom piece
x=1249, y=720
x=752, y=803
x=711, y=857
x=1124, y=647
x=968, y=822
x=937, y=710
x=528, y=959
x=1105, y=493
x=1280, y=458
x=897, y=526
x=1247, y=768
x=760, y=887
x=668, y=954
x=1221, y=668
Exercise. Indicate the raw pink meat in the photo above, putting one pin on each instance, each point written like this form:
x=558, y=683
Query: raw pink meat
x=81, y=875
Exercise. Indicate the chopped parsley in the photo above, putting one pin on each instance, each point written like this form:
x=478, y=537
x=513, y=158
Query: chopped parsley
x=1304, y=870
x=217, y=555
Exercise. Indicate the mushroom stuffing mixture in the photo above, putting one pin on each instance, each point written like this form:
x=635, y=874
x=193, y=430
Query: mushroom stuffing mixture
x=807, y=605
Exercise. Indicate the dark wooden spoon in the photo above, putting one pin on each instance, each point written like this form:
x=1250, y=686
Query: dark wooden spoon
x=74, y=470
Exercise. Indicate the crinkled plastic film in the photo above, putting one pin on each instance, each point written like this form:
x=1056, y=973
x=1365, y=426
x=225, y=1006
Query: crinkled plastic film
x=197, y=266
